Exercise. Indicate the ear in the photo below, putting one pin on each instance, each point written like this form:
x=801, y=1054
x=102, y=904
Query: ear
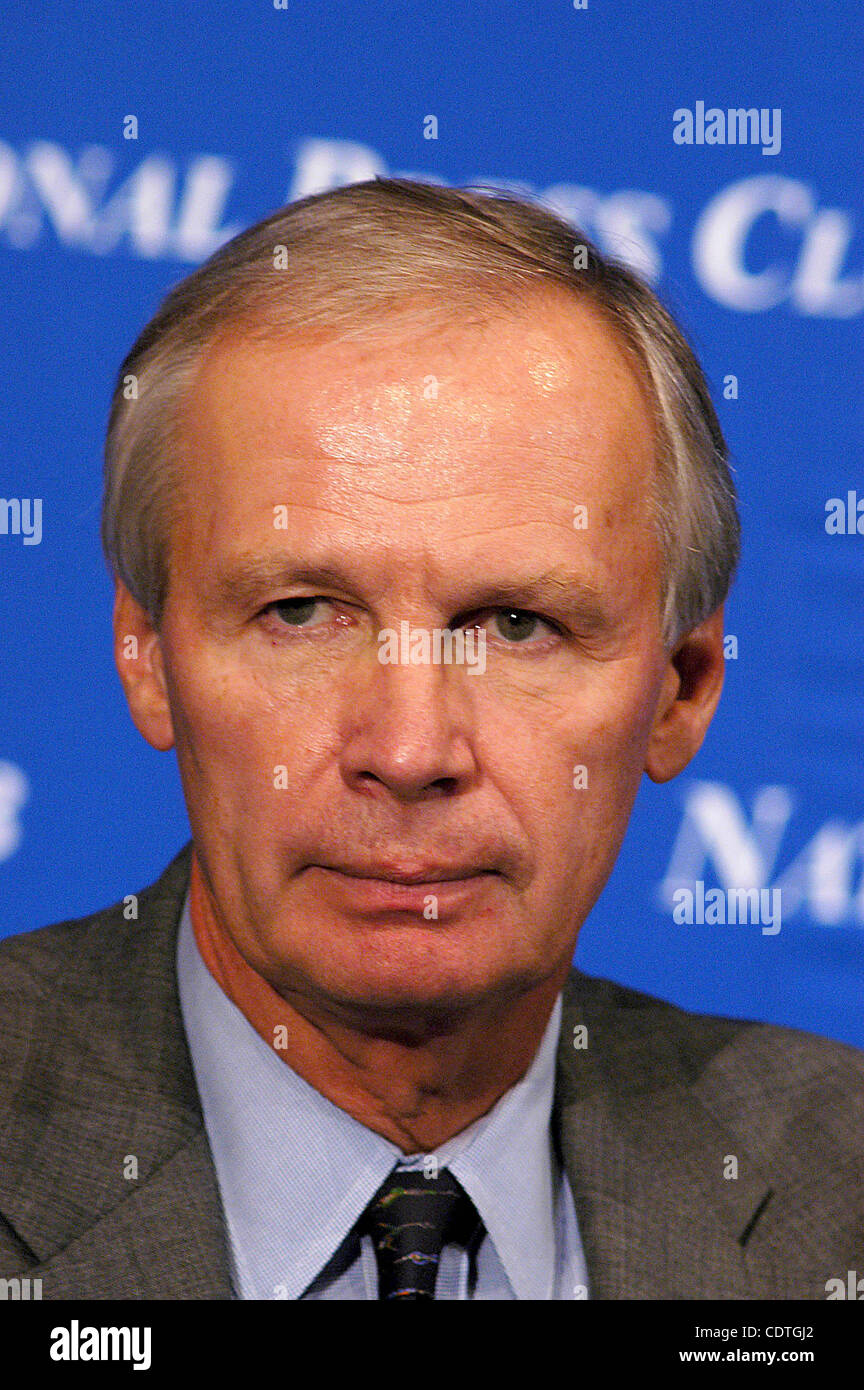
x=138, y=657
x=689, y=696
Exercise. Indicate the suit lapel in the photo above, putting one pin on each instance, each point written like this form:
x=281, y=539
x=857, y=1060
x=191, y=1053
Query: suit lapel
x=646, y=1162
x=105, y=1170
x=165, y=1240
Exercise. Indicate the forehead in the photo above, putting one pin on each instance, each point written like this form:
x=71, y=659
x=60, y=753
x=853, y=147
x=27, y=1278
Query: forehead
x=421, y=456
x=542, y=394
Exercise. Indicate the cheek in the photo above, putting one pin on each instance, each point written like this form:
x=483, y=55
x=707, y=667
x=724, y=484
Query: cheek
x=570, y=769
x=238, y=738
x=557, y=743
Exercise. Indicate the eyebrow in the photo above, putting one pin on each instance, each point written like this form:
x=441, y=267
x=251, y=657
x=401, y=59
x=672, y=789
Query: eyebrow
x=555, y=590
x=243, y=582
x=249, y=579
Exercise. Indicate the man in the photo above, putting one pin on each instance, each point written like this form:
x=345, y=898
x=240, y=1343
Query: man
x=338, y=1050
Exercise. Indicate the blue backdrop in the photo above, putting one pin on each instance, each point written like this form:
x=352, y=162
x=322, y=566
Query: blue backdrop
x=756, y=245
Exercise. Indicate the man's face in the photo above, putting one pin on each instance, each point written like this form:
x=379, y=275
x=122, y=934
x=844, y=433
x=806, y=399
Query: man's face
x=337, y=803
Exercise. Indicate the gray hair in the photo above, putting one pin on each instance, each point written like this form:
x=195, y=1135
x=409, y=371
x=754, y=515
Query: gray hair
x=341, y=261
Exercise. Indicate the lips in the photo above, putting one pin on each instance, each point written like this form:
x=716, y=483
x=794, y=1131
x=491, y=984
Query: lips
x=420, y=874
x=388, y=888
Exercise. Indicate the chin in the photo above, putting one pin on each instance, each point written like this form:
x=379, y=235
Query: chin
x=397, y=965
x=435, y=986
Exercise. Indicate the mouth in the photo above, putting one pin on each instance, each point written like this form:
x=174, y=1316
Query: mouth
x=427, y=890
x=413, y=875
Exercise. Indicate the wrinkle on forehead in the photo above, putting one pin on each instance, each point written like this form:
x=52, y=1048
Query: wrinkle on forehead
x=525, y=414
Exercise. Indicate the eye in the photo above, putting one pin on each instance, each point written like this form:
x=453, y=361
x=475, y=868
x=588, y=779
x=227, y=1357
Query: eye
x=518, y=625
x=301, y=612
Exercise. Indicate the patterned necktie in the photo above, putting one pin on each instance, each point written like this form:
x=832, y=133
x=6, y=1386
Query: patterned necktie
x=410, y=1219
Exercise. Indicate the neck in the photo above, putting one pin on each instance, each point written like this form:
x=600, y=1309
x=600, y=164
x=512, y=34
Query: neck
x=416, y=1090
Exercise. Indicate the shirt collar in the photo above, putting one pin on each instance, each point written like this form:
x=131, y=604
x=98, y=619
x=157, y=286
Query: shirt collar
x=295, y=1172
x=506, y=1164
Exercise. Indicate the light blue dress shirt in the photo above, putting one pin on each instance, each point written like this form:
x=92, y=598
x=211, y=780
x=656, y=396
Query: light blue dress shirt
x=295, y=1172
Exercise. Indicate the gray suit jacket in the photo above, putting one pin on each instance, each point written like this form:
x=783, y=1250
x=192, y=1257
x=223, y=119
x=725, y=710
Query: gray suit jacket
x=649, y=1117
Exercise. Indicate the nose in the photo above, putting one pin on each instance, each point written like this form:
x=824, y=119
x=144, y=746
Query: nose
x=408, y=733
